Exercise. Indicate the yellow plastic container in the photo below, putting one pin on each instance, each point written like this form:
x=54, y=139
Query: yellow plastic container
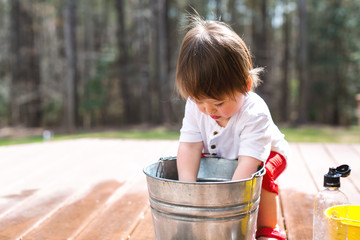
x=343, y=221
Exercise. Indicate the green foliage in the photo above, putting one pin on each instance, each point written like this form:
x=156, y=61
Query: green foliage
x=333, y=51
x=10, y=141
x=95, y=95
x=334, y=71
x=3, y=110
x=52, y=112
x=4, y=101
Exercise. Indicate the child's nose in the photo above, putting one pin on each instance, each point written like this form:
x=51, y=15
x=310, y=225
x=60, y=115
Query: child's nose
x=210, y=110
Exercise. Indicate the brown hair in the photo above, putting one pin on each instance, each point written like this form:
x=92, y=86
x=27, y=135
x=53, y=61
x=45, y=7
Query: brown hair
x=213, y=62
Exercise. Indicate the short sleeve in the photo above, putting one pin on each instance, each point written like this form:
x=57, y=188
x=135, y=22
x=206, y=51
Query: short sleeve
x=255, y=138
x=190, y=131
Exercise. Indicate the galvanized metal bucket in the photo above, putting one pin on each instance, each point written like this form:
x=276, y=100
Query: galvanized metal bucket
x=212, y=208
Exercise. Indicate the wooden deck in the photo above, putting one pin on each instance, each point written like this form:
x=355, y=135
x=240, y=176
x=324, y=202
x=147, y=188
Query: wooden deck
x=95, y=189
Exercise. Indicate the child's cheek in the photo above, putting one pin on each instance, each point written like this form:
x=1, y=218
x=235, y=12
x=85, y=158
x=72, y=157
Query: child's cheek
x=225, y=111
x=228, y=111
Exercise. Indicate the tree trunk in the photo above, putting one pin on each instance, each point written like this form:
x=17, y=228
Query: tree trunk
x=163, y=47
x=302, y=63
x=218, y=10
x=89, y=70
x=15, y=63
x=236, y=17
x=161, y=61
x=284, y=100
x=123, y=62
x=142, y=62
x=71, y=102
x=260, y=37
x=25, y=76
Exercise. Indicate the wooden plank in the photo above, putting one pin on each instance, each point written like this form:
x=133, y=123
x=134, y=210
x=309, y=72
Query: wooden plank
x=145, y=229
x=15, y=152
x=41, y=181
x=28, y=214
x=67, y=175
x=62, y=191
x=38, y=169
x=27, y=163
x=121, y=216
x=71, y=178
x=35, y=201
x=318, y=160
x=70, y=217
x=297, y=193
x=58, y=189
x=7, y=201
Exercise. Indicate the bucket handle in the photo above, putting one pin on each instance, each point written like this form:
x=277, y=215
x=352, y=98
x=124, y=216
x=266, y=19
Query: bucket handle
x=260, y=172
x=161, y=166
x=342, y=219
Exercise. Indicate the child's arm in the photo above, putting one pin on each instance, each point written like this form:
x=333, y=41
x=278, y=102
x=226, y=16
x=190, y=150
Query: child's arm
x=246, y=167
x=188, y=160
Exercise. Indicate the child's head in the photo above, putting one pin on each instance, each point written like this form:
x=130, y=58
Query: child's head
x=214, y=62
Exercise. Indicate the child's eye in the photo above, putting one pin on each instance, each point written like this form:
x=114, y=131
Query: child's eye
x=219, y=104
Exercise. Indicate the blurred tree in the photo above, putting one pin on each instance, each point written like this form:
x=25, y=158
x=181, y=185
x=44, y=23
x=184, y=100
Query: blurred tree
x=261, y=30
x=71, y=99
x=332, y=47
x=113, y=62
x=302, y=63
x=123, y=65
x=237, y=16
x=161, y=41
x=96, y=67
x=285, y=65
x=4, y=64
x=143, y=88
x=25, y=67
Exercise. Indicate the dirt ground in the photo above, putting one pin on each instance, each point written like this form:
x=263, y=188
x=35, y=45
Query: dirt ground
x=20, y=132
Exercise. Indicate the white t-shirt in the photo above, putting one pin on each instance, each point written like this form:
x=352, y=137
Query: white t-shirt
x=250, y=132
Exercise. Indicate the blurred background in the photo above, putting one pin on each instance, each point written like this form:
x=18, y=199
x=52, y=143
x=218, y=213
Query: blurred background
x=85, y=64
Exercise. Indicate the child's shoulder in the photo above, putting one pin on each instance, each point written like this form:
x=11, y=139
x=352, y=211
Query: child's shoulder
x=253, y=100
x=254, y=105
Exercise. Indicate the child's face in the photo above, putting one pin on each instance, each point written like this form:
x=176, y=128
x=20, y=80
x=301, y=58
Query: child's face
x=221, y=110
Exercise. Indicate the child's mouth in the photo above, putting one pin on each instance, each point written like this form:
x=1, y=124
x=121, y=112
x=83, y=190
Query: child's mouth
x=214, y=117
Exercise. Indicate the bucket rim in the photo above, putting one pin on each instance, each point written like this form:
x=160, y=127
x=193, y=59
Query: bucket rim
x=259, y=173
x=343, y=220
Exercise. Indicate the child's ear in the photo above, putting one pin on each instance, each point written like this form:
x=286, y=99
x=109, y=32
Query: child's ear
x=249, y=84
